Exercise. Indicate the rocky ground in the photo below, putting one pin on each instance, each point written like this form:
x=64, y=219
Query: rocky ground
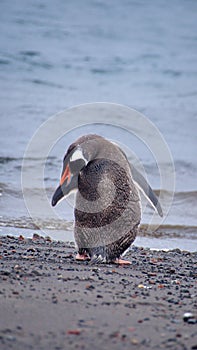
x=50, y=301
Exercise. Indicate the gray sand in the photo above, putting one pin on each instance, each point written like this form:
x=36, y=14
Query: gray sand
x=50, y=301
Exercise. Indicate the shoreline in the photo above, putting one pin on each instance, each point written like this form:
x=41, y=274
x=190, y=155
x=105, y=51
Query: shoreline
x=50, y=301
x=164, y=239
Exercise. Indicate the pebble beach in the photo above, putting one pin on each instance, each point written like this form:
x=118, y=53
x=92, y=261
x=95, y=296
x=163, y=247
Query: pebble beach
x=48, y=300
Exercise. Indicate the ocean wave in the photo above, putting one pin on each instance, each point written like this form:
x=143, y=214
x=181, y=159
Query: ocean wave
x=4, y=61
x=5, y=159
x=46, y=83
x=30, y=53
x=36, y=224
x=170, y=231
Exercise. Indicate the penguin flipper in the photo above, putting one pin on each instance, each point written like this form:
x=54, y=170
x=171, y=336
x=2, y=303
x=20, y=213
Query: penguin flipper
x=145, y=188
x=143, y=185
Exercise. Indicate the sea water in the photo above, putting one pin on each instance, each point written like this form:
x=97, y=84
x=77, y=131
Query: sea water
x=55, y=55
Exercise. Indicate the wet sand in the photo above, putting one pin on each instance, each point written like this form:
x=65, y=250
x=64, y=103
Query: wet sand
x=50, y=301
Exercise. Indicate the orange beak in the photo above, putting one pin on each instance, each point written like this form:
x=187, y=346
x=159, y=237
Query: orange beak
x=66, y=175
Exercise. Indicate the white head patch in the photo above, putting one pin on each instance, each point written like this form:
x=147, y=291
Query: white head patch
x=78, y=154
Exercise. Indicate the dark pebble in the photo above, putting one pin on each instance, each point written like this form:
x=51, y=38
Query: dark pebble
x=33, y=250
x=191, y=321
x=99, y=296
x=5, y=273
x=90, y=287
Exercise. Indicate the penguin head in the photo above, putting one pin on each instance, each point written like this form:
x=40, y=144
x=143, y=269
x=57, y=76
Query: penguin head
x=73, y=162
x=76, y=158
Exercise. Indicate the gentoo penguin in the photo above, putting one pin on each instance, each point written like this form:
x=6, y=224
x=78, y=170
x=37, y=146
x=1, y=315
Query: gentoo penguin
x=107, y=206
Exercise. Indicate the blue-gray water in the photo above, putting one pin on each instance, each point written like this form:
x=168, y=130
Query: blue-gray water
x=57, y=54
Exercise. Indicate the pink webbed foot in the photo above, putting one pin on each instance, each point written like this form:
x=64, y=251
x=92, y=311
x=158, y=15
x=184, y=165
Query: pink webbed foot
x=122, y=262
x=82, y=257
